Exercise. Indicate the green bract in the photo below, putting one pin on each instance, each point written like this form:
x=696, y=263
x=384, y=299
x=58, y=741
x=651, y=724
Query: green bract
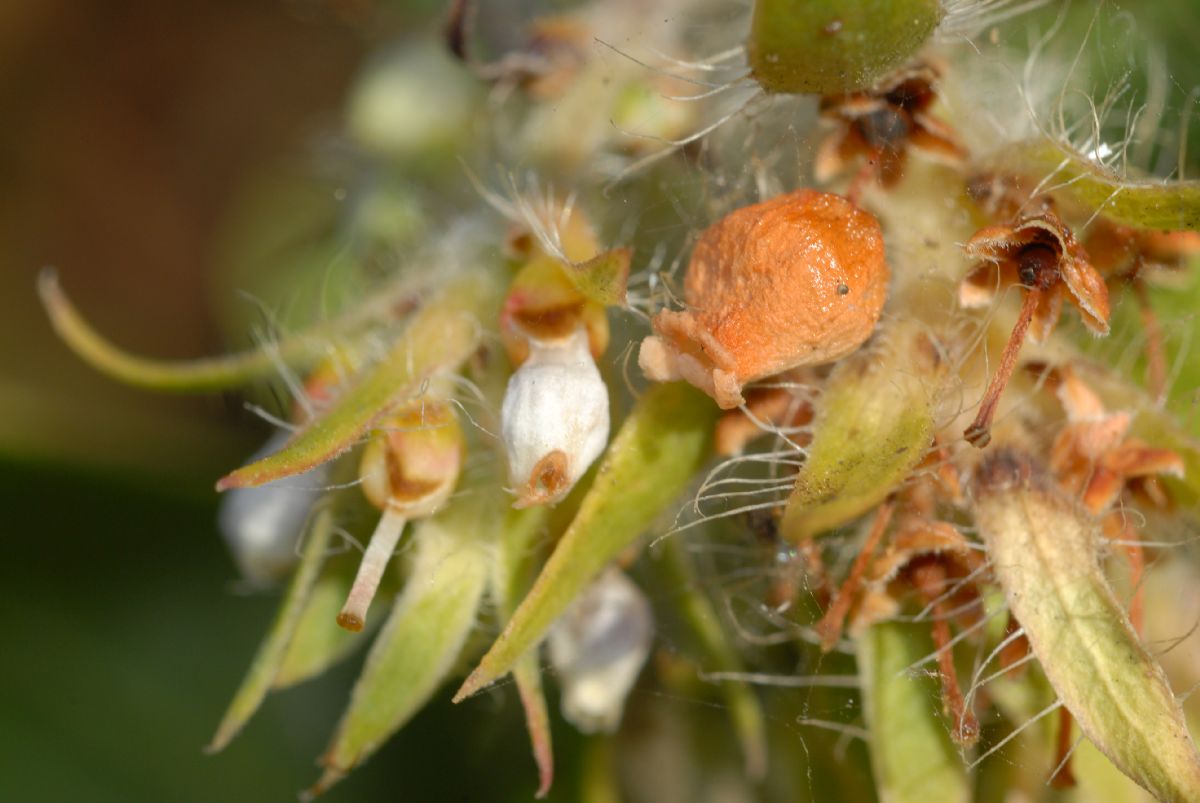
x=1045, y=552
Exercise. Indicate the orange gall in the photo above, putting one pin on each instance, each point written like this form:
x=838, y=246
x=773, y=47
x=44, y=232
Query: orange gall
x=800, y=279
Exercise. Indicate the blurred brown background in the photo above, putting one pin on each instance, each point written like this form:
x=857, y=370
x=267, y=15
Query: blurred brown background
x=128, y=131
x=128, y=127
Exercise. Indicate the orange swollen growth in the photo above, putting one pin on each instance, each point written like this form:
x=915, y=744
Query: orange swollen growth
x=797, y=280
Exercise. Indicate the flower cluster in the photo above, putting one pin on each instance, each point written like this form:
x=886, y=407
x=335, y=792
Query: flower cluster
x=918, y=470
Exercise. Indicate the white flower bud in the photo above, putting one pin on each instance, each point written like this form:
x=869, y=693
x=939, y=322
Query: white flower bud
x=554, y=419
x=598, y=647
x=262, y=525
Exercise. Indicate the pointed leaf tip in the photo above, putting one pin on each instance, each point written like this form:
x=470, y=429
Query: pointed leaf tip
x=271, y=653
x=874, y=425
x=422, y=637
x=440, y=337
x=604, y=277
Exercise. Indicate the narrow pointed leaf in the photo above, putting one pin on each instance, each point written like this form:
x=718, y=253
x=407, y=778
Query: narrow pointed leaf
x=528, y=676
x=1146, y=203
x=662, y=443
x=1044, y=550
x=874, y=425
x=421, y=639
x=439, y=338
x=603, y=277
x=912, y=756
x=266, y=663
x=745, y=710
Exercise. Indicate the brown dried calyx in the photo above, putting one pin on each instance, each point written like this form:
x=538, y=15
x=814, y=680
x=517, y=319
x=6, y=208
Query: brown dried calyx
x=1039, y=254
x=800, y=279
x=882, y=124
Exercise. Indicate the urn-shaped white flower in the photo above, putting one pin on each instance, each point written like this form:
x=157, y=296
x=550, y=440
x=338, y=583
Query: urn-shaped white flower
x=264, y=524
x=554, y=419
x=598, y=648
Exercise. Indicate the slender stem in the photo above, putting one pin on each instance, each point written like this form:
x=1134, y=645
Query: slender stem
x=863, y=176
x=210, y=373
x=930, y=580
x=830, y=626
x=1155, y=355
x=370, y=571
x=1063, y=778
x=979, y=434
x=1013, y=654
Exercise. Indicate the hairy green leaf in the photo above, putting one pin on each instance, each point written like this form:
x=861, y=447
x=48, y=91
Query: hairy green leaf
x=1044, y=550
x=827, y=46
x=912, y=755
x=603, y=277
x=1145, y=203
x=265, y=667
x=319, y=642
x=874, y=425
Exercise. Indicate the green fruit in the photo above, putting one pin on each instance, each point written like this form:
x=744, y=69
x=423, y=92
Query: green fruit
x=829, y=46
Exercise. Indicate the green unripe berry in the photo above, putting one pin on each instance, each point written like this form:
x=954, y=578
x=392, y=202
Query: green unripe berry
x=830, y=46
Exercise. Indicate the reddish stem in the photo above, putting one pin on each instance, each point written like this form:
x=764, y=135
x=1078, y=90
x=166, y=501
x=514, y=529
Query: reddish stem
x=1155, y=355
x=1016, y=650
x=1063, y=778
x=979, y=434
x=1135, y=556
x=830, y=626
x=930, y=579
x=863, y=176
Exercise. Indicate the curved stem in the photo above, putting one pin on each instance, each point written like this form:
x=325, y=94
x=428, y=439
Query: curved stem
x=205, y=374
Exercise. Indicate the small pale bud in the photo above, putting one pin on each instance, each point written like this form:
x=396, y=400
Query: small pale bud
x=412, y=463
x=554, y=419
x=598, y=648
x=262, y=525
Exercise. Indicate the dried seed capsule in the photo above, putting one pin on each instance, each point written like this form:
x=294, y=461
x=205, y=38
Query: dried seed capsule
x=554, y=419
x=598, y=647
x=800, y=279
